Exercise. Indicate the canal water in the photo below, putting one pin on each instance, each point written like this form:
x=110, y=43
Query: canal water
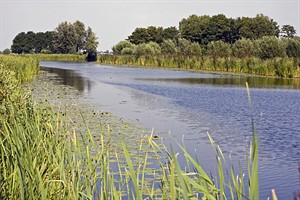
x=186, y=106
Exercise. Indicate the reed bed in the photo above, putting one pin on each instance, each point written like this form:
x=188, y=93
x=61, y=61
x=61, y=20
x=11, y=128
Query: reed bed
x=59, y=57
x=278, y=67
x=47, y=153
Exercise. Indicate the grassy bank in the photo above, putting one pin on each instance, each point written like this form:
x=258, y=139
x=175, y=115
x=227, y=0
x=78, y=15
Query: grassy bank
x=54, y=149
x=279, y=67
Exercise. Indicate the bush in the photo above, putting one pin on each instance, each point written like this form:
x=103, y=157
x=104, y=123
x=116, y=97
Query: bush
x=117, y=49
x=269, y=47
x=127, y=51
x=183, y=46
x=195, y=49
x=219, y=49
x=243, y=48
x=168, y=47
x=292, y=47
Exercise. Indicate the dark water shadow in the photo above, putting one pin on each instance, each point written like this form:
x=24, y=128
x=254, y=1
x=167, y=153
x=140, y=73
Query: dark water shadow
x=71, y=78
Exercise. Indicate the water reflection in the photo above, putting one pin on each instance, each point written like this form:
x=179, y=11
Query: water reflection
x=254, y=82
x=71, y=78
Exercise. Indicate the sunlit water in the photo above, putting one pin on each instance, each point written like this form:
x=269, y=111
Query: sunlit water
x=185, y=105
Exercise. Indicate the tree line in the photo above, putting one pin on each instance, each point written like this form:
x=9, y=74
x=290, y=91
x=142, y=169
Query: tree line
x=66, y=38
x=216, y=36
x=265, y=48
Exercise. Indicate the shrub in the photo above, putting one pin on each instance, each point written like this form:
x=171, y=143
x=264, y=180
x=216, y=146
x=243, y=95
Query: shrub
x=292, y=47
x=219, y=49
x=195, y=49
x=269, y=47
x=117, y=49
x=243, y=48
x=169, y=47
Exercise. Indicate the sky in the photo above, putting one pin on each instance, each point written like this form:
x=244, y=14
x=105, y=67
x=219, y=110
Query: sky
x=115, y=20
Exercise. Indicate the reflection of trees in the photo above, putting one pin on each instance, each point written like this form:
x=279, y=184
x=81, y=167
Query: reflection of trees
x=71, y=78
x=256, y=82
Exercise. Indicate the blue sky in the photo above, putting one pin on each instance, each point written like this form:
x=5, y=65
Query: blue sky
x=114, y=20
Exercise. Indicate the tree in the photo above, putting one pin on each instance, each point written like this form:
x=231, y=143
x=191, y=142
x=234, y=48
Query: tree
x=29, y=45
x=6, y=51
x=288, y=31
x=183, y=46
x=80, y=34
x=195, y=49
x=117, y=49
x=169, y=47
x=65, y=38
x=140, y=50
x=18, y=43
x=91, y=41
x=24, y=43
x=219, y=49
x=152, y=48
x=170, y=33
x=292, y=47
x=127, y=51
x=269, y=47
x=145, y=35
x=139, y=36
x=243, y=48
x=255, y=28
x=219, y=29
x=194, y=28
x=91, y=45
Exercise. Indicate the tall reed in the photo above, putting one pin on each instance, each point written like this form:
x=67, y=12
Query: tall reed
x=280, y=67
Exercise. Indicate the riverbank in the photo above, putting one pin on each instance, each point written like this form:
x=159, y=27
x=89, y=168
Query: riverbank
x=277, y=67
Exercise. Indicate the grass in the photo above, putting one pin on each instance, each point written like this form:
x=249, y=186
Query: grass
x=44, y=154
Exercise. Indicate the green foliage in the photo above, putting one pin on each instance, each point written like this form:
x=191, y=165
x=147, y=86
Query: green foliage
x=269, y=47
x=168, y=47
x=117, y=49
x=257, y=27
x=140, y=50
x=193, y=28
x=127, y=51
x=146, y=35
x=91, y=43
x=243, y=48
x=171, y=33
x=81, y=35
x=219, y=49
x=67, y=38
x=183, y=46
x=195, y=49
x=292, y=47
x=288, y=31
x=153, y=48
x=6, y=51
